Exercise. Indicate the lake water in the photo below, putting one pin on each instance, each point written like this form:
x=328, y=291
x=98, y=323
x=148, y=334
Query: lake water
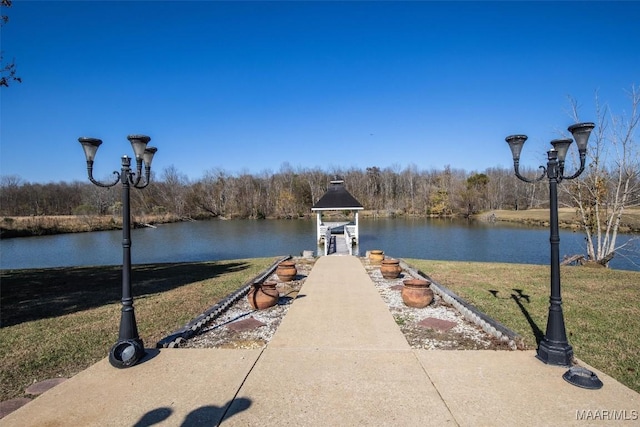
x=235, y=239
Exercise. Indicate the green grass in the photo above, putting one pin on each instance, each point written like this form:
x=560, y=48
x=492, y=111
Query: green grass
x=601, y=308
x=57, y=322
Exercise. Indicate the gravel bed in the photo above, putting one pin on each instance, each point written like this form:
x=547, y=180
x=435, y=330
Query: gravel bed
x=464, y=335
x=240, y=326
x=218, y=334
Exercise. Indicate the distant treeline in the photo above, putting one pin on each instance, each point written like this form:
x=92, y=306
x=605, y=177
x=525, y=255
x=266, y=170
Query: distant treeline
x=287, y=193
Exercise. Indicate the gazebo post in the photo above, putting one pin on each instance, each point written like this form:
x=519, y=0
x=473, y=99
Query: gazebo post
x=337, y=198
x=318, y=222
x=357, y=228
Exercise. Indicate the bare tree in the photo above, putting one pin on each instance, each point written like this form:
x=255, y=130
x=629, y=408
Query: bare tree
x=10, y=188
x=170, y=193
x=96, y=200
x=611, y=181
x=8, y=70
x=499, y=188
x=409, y=178
x=317, y=180
x=207, y=194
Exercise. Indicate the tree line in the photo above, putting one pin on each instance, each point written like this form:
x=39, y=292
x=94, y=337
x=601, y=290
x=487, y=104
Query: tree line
x=287, y=193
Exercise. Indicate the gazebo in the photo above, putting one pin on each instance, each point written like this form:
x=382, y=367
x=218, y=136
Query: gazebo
x=337, y=198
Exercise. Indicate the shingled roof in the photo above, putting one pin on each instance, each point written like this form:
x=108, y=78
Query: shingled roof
x=337, y=198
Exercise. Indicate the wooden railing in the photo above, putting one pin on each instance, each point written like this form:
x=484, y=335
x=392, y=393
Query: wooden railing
x=327, y=239
x=353, y=232
x=349, y=231
x=322, y=231
x=349, y=237
x=349, y=243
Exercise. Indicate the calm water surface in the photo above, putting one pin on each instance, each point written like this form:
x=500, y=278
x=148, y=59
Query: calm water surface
x=235, y=239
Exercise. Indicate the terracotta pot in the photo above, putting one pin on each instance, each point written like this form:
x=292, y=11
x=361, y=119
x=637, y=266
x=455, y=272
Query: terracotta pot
x=376, y=256
x=263, y=295
x=416, y=293
x=286, y=271
x=390, y=268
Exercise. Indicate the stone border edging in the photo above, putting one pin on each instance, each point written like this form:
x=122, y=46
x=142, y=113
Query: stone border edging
x=468, y=311
x=471, y=313
x=192, y=328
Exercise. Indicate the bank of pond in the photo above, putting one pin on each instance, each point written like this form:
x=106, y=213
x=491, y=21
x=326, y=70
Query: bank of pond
x=422, y=238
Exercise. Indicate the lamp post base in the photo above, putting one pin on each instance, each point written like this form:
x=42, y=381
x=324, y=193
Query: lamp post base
x=126, y=353
x=559, y=355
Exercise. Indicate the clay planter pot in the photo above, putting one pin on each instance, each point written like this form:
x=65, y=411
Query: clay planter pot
x=416, y=293
x=390, y=268
x=286, y=271
x=376, y=256
x=263, y=295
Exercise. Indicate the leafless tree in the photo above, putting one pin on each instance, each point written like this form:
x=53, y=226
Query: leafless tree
x=7, y=70
x=207, y=194
x=10, y=189
x=611, y=181
x=170, y=192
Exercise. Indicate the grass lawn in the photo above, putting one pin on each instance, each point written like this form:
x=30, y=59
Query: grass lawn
x=567, y=218
x=601, y=309
x=57, y=322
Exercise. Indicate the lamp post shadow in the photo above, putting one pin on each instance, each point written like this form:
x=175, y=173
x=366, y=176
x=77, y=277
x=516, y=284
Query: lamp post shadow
x=537, y=332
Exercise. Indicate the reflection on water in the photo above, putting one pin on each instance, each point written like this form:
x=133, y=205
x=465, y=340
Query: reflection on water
x=235, y=239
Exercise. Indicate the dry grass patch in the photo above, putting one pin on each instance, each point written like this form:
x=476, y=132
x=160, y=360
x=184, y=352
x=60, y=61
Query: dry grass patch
x=20, y=226
x=567, y=218
x=601, y=309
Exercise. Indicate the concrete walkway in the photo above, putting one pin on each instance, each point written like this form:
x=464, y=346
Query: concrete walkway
x=337, y=359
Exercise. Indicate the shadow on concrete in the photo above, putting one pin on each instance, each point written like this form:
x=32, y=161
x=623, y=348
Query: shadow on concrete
x=209, y=415
x=154, y=417
x=149, y=353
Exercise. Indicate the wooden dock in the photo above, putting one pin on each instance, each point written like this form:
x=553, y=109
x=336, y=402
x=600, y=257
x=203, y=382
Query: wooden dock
x=338, y=246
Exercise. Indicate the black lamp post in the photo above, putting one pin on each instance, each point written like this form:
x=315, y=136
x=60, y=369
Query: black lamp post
x=554, y=349
x=129, y=349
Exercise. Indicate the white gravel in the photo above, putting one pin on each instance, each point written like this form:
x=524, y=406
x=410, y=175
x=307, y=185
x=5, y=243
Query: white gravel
x=464, y=335
x=216, y=334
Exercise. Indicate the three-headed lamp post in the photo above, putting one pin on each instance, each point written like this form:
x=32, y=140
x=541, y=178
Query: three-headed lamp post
x=129, y=349
x=554, y=349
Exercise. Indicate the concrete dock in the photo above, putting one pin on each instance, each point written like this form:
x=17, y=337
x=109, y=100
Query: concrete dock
x=337, y=359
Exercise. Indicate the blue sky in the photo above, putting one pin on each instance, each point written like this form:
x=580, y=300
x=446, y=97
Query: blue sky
x=248, y=86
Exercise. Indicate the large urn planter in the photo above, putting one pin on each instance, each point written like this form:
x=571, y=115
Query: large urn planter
x=376, y=256
x=390, y=268
x=286, y=271
x=416, y=293
x=263, y=295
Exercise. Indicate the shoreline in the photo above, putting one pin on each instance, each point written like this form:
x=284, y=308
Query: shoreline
x=31, y=226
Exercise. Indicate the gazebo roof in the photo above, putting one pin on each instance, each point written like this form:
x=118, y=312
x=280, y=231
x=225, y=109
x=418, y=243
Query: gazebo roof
x=337, y=198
